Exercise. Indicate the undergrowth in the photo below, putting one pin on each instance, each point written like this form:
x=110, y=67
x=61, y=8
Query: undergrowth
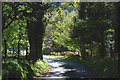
x=105, y=68
x=11, y=68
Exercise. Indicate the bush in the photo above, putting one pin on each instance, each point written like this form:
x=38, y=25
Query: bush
x=23, y=69
x=105, y=68
x=40, y=67
x=11, y=69
x=46, y=51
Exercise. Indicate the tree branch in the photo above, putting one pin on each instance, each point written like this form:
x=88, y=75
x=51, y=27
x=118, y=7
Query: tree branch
x=12, y=19
x=7, y=25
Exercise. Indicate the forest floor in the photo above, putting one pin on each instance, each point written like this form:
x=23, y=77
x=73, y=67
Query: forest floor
x=61, y=68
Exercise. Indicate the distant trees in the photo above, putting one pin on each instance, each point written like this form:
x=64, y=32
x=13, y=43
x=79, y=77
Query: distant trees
x=91, y=30
x=59, y=26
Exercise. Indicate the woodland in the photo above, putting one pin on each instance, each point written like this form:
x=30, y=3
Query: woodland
x=86, y=30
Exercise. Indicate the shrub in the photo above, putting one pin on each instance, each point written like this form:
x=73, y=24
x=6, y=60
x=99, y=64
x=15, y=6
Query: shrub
x=23, y=69
x=40, y=67
x=11, y=69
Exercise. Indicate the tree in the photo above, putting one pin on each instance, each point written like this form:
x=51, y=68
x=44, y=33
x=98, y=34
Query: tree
x=25, y=12
x=12, y=20
x=117, y=33
x=35, y=29
x=98, y=23
x=59, y=30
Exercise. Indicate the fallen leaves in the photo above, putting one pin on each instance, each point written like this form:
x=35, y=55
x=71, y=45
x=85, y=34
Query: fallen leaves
x=63, y=3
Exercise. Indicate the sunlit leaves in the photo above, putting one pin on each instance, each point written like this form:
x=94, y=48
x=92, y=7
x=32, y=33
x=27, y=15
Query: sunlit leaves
x=110, y=30
x=21, y=7
x=63, y=3
x=60, y=33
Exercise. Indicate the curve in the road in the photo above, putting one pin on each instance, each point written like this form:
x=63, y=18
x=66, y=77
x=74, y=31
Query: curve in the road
x=61, y=68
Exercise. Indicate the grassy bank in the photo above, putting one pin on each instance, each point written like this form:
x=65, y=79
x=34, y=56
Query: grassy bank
x=104, y=68
x=24, y=69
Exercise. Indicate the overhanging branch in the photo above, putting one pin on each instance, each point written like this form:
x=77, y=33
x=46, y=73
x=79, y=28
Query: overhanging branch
x=12, y=19
x=7, y=25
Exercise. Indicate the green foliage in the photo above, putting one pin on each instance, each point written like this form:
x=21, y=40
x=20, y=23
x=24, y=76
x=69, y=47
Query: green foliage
x=46, y=50
x=11, y=69
x=60, y=27
x=84, y=31
x=23, y=69
x=14, y=25
x=105, y=68
x=40, y=67
x=90, y=30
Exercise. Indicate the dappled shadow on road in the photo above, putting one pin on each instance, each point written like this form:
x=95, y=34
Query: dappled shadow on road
x=66, y=69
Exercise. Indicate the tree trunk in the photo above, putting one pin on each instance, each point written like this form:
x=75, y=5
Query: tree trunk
x=18, y=49
x=117, y=34
x=111, y=51
x=35, y=35
x=5, y=48
x=91, y=50
x=83, y=53
x=13, y=50
x=102, y=46
x=91, y=53
x=117, y=29
x=26, y=52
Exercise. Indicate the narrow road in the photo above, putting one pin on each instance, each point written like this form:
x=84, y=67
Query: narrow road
x=61, y=68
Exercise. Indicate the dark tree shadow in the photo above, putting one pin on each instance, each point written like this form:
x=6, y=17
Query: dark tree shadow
x=70, y=70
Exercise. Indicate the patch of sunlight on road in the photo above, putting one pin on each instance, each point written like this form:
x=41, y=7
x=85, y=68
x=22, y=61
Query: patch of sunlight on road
x=57, y=68
x=56, y=64
x=65, y=69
